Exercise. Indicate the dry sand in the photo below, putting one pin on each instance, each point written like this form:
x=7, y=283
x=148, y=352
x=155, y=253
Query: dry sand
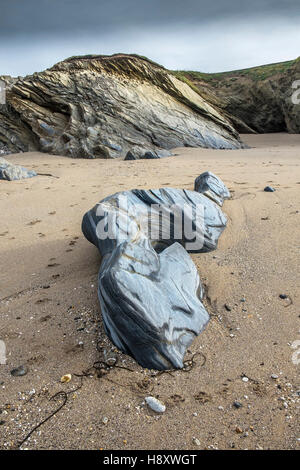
x=48, y=287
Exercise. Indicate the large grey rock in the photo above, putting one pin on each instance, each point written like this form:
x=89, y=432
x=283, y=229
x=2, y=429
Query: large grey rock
x=103, y=106
x=165, y=216
x=212, y=186
x=11, y=172
x=149, y=289
x=151, y=303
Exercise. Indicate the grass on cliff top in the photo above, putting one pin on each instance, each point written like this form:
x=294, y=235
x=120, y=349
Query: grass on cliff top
x=255, y=73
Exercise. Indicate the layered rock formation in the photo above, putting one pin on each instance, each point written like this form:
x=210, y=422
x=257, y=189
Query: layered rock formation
x=149, y=289
x=259, y=99
x=102, y=106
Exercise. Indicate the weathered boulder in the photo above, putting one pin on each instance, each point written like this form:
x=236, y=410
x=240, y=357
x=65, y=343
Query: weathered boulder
x=149, y=289
x=102, y=106
x=165, y=216
x=11, y=172
x=151, y=303
x=142, y=154
x=212, y=186
x=259, y=99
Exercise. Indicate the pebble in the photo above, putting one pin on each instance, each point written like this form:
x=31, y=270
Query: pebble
x=283, y=296
x=269, y=189
x=228, y=308
x=105, y=420
x=196, y=441
x=19, y=371
x=245, y=379
x=237, y=404
x=155, y=404
x=274, y=376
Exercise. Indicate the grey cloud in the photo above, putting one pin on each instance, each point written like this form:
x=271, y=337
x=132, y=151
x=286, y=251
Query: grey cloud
x=192, y=35
x=44, y=16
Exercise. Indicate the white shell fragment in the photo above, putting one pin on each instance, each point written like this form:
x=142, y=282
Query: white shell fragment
x=155, y=404
x=66, y=378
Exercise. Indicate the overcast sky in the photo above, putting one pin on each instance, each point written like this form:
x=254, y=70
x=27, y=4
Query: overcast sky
x=209, y=36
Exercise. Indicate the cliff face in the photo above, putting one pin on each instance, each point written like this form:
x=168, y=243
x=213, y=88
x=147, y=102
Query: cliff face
x=102, y=106
x=257, y=99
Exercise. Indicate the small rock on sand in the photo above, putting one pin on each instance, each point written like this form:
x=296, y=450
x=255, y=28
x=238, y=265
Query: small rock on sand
x=155, y=404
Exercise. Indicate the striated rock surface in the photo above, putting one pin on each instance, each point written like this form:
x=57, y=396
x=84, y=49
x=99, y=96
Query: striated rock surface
x=212, y=186
x=259, y=99
x=102, y=106
x=165, y=216
x=149, y=289
x=151, y=303
x=11, y=172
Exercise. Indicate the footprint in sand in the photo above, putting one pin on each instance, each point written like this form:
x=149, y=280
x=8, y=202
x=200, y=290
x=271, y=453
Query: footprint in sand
x=42, y=301
x=33, y=222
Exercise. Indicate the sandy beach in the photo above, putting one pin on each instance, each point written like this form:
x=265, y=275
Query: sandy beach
x=243, y=391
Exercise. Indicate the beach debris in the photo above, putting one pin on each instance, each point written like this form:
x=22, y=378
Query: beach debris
x=66, y=378
x=212, y=186
x=10, y=172
x=269, y=189
x=155, y=404
x=105, y=420
x=19, y=371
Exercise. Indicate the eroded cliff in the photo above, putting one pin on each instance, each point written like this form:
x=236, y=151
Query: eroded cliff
x=102, y=106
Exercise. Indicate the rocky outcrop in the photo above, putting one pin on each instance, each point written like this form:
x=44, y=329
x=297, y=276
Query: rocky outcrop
x=149, y=289
x=102, y=106
x=259, y=99
x=11, y=172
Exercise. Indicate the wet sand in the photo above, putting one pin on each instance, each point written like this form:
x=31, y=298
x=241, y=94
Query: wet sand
x=50, y=319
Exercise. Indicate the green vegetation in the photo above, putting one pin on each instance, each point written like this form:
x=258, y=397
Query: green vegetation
x=183, y=77
x=254, y=73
